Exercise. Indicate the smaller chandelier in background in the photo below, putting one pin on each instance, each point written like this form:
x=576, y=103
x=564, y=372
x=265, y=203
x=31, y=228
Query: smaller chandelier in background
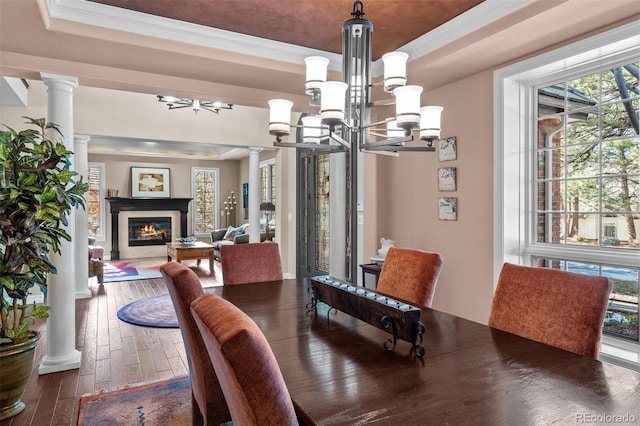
x=195, y=104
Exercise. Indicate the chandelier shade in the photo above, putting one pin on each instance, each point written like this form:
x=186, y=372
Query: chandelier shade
x=312, y=129
x=316, y=73
x=395, y=70
x=279, y=116
x=408, y=106
x=430, y=122
x=332, y=101
x=393, y=131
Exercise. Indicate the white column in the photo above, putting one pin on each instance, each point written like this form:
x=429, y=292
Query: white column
x=337, y=213
x=81, y=240
x=61, y=325
x=254, y=195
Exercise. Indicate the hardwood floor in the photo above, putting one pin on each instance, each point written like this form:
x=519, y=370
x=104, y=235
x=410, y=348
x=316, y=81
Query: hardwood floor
x=114, y=353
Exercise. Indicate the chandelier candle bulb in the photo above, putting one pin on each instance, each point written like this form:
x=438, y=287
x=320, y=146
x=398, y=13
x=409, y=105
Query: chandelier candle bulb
x=430, y=122
x=408, y=106
x=279, y=116
x=312, y=130
x=332, y=101
x=316, y=73
x=395, y=70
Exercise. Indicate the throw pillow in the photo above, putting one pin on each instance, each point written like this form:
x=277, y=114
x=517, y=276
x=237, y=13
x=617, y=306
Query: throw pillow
x=230, y=234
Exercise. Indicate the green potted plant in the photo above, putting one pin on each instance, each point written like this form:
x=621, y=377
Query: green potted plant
x=37, y=192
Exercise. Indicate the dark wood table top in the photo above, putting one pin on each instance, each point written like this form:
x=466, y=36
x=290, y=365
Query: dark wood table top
x=337, y=371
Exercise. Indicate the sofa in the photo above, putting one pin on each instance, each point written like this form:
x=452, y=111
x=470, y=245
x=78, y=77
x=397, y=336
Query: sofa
x=231, y=235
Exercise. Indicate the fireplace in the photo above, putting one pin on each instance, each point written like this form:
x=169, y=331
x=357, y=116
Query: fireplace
x=144, y=204
x=149, y=231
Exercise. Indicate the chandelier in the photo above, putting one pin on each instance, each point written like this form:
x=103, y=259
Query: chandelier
x=195, y=104
x=344, y=125
x=344, y=120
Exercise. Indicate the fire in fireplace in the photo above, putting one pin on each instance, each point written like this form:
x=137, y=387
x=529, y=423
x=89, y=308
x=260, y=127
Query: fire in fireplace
x=149, y=231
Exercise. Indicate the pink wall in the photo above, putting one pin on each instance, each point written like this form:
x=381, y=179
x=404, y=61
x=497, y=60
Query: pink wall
x=407, y=195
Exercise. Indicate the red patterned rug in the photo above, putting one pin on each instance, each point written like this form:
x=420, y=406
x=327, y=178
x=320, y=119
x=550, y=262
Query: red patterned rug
x=127, y=270
x=166, y=402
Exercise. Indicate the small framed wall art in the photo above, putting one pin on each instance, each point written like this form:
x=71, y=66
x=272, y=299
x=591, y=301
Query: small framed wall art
x=149, y=183
x=448, y=208
x=448, y=149
x=447, y=179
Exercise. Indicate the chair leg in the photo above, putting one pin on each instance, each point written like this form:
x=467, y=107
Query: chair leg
x=196, y=415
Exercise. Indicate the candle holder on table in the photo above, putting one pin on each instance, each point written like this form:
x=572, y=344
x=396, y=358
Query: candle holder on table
x=399, y=319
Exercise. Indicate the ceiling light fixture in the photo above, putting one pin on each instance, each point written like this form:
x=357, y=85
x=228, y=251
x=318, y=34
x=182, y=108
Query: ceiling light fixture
x=344, y=126
x=195, y=104
x=344, y=121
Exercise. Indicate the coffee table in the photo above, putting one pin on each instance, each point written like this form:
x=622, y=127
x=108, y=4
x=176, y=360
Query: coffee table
x=197, y=250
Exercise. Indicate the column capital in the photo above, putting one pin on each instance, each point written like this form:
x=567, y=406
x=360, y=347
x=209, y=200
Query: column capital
x=57, y=80
x=81, y=139
x=255, y=150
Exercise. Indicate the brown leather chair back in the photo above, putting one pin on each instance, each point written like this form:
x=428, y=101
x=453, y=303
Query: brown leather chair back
x=250, y=263
x=559, y=308
x=245, y=365
x=410, y=275
x=208, y=404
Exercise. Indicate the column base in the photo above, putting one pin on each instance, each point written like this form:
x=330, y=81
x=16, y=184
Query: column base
x=55, y=364
x=84, y=294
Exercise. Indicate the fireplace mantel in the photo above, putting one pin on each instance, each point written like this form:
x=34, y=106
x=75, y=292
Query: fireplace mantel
x=119, y=204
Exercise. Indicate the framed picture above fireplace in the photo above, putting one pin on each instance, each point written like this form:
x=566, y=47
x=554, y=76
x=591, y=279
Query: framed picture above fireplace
x=149, y=183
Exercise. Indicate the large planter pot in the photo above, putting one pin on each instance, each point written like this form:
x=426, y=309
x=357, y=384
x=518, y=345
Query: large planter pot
x=16, y=365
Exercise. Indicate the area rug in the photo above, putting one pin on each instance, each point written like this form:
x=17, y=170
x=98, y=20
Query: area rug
x=166, y=402
x=153, y=311
x=127, y=270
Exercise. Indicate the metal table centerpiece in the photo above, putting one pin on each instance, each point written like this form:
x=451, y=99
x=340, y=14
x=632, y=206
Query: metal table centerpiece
x=398, y=318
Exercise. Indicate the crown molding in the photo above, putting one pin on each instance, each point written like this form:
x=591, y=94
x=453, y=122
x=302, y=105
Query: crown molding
x=96, y=14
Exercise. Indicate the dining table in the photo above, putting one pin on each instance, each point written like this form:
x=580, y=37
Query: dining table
x=338, y=371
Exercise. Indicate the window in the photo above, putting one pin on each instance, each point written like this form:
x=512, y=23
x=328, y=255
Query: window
x=587, y=169
x=268, y=183
x=204, y=184
x=568, y=168
x=95, y=203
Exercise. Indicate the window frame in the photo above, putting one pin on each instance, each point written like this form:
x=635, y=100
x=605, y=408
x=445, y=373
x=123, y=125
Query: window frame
x=269, y=167
x=216, y=206
x=101, y=199
x=515, y=115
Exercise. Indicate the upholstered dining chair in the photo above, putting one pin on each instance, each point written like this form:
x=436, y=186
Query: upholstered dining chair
x=559, y=308
x=250, y=263
x=410, y=275
x=245, y=365
x=207, y=403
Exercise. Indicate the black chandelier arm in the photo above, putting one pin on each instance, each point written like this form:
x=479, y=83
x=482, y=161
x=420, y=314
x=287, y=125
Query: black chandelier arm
x=320, y=148
x=177, y=106
x=402, y=148
x=335, y=137
x=215, y=111
x=391, y=142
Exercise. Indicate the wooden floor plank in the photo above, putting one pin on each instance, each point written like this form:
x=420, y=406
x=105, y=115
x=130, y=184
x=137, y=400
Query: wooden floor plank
x=106, y=342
